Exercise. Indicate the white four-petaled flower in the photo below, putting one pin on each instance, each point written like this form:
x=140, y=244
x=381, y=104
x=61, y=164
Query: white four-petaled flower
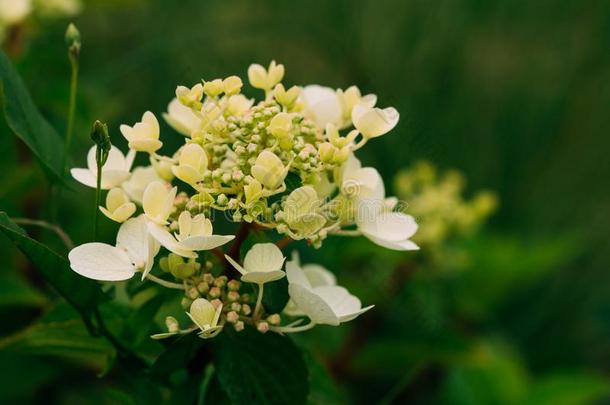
x=194, y=234
x=206, y=317
x=372, y=121
x=118, y=207
x=135, y=250
x=262, y=264
x=158, y=201
x=323, y=304
x=144, y=135
x=182, y=118
x=114, y=172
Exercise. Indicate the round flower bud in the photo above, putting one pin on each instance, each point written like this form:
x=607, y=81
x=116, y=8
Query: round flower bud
x=262, y=327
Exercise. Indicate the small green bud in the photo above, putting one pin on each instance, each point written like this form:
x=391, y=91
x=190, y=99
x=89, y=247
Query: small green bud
x=186, y=302
x=163, y=263
x=239, y=326
x=99, y=135
x=193, y=293
x=274, y=319
x=73, y=40
x=233, y=285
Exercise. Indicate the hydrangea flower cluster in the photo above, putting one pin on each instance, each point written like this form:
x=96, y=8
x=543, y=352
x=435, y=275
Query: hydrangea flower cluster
x=285, y=164
x=438, y=202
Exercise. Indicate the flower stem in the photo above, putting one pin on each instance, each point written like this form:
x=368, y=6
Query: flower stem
x=292, y=329
x=44, y=224
x=167, y=284
x=98, y=195
x=71, y=109
x=259, y=301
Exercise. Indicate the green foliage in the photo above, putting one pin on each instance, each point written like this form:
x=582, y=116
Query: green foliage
x=261, y=369
x=60, y=332
x=82, y=293
x=24, y=119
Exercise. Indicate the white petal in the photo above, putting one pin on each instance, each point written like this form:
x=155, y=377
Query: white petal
x=318, y=275
x=133, y=238
x=100, y=261
x=166, y=240
x=312, y=305
x=262, y=277
x=233, y=263
x=181, y=118
x=202, y=312
x=400, y=245
x=373, y=122
x=263, y=257
x=84, y=176
x=323, y=104
x=390, y=226
x=364, y=183
x=113, y=178
x=295, y=274
x=157, y=201
x=206, y=242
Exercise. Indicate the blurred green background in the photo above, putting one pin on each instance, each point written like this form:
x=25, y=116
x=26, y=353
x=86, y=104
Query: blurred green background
x=514, y=94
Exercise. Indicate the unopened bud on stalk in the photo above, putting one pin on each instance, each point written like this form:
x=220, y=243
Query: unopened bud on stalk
x=73, y=40
x=239, y=326
x=99, y=135
x=246, y=310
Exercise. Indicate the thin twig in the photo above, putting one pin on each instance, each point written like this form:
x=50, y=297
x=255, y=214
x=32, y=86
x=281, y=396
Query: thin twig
x=285, y=241
x=44, y=224
x=233, y=252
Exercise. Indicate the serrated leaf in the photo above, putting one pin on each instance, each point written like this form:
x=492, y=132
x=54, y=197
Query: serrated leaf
x=256, y=368
x=24, y=119
x=82, y=293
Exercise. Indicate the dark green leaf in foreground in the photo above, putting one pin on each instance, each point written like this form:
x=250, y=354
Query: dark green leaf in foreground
x=256, y=368
x=61, y=333
x=82, y=293
x=26, y=122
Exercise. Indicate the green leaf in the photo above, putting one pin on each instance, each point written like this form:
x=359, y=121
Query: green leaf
x=15, y=292
x=24, y=119
x=60, y=332
x=176, y=356
x=569, y=388
x=276, y=296
x=260, y=368
x=82, y=293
